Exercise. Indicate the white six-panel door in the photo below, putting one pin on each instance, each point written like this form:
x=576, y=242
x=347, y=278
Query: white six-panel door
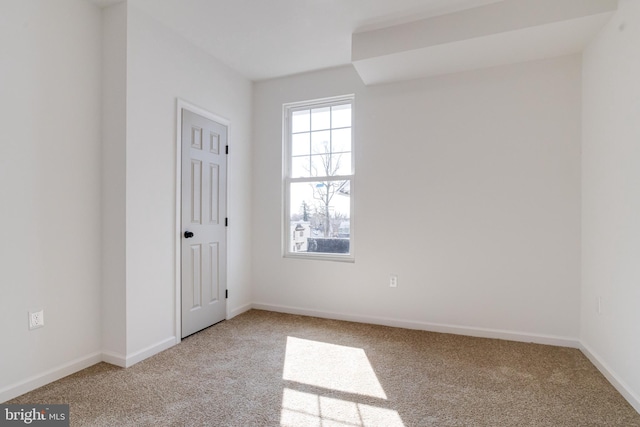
x=204, y=244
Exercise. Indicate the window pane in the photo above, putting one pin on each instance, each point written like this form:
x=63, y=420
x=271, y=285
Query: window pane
x=319, y=148
x=300, y=121
x=321, y=165
x=320, y=217
x=321, y=118
x=341, y=116
x=341, y=163
x=320, y=142
x=300, y=144
x=341, y=140
x=300, y=167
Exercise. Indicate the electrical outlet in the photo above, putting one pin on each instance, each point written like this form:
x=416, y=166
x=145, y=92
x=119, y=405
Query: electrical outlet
x=393, y=281
x=36, y=319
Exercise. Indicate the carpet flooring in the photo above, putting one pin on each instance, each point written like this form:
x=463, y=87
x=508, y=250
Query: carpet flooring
x=269, y=369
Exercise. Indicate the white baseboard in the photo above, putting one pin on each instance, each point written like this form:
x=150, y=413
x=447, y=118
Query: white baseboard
x=49, y=376
x=147, y=352
x=236, y=311
x=114, y=359
x=612, y=377
x=431, y=327
x=79, y=364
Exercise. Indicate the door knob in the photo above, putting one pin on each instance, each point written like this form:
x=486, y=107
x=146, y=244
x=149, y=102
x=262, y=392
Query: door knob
x=188, y=234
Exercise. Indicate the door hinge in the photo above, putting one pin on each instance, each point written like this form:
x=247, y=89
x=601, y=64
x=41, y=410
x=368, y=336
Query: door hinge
x=226, y=222
x=226, y=149
x=226, y=293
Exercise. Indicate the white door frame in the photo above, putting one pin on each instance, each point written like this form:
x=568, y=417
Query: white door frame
x=181, y=104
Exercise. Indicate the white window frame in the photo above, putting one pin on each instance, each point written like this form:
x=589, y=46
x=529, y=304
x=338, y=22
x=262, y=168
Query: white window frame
x=287, y=111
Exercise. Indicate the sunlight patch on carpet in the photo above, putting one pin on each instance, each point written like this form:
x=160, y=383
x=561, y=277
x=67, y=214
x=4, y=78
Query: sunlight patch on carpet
x=300, y=409
x=331, y=366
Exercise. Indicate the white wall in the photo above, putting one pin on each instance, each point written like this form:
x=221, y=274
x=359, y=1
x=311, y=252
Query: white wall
x=49, y=189
x=162, y=67
x=468, y=188
x=114, y=140
x=611, y=200
x=77, y=212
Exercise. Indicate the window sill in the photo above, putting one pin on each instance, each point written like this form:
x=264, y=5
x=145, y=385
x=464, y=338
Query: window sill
x=320, y=256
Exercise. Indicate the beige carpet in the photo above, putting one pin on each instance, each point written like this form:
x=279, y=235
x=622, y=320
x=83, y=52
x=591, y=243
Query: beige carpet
x=270, y=369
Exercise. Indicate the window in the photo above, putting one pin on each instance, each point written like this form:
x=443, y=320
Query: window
x=318, y=179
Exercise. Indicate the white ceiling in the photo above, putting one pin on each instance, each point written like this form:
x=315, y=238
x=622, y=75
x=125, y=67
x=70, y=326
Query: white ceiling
x=491, y=35
x=263, y=39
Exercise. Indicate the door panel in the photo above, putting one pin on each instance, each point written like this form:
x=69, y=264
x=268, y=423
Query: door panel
x=196, y=191
x=214, y=197
x=214, y=279
x=204, y=166
x=195, y=279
